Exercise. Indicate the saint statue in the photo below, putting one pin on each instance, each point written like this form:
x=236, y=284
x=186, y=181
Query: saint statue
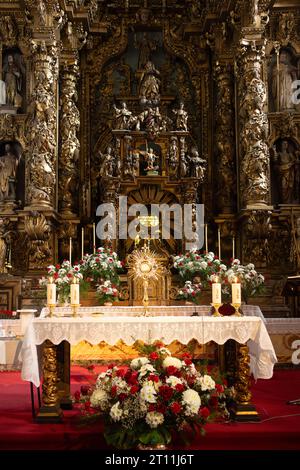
x=151, y=159
x=197, y=165
x=282, y=78
x=149, y=87
x=123, y=117
x=4, y=232
x=173, y=158
x=13, y=80
x=181, y=118
x=286, y=170
x=107, y=167
x=145, y=47
x=8, y=171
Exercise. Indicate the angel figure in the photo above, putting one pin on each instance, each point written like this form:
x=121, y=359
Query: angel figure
x=151, y=159
x=107, y=163
x=181, y=118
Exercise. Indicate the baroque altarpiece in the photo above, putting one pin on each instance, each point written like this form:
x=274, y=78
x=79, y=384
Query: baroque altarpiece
x=163, y=102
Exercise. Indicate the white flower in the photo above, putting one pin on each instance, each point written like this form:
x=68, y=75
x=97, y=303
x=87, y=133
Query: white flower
x=173, y=381
x=154, y=419
x=172, y=361
x=165, y=351
x=203, y=264
x=99, y=398
x=116, y=412
x=139, y=362
x=192, y=400
x=206, y=383
x=145, y=369
x=148, y=394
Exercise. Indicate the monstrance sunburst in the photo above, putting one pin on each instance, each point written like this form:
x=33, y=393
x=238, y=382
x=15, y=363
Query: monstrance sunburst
x=144, y=266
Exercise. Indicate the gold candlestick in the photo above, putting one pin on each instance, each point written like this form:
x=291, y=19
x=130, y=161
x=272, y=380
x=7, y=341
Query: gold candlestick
x=237, y=312
x=75, y=309
x=216, y=312
x=51, y=309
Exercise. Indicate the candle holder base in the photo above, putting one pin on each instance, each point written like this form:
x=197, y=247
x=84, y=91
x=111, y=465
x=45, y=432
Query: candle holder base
x=75, y=310
x=51, y=308
x=237, y=312
x=216, y=312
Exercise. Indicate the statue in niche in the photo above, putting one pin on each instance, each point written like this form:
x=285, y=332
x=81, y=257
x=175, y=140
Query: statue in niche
x=173, y=157
x=181, y=118
x=151, y=120
x=183, y=165
x=150, y=83
x=12, y=75
x=145, y=47
x=287, y=166
x=282, y=78
x=123, y=117
x=197, y=164
x=4, y=232
x=295, y=243
x=151, y=159
x=8, y=170
x=108, y=163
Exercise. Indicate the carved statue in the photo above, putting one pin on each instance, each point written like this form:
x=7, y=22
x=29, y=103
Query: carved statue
x=150, y=83
x=107, y=167
x=145, y=47
x=287, y=171
x=13, y=80
x=123, y=117
x=151, y=120
x=8, y=167
x=181, y=118
x=282, y=78
x=197, y=165
x=173, y=157
x=4, y=232
x=2, y=92
x=295, y=243
x=183, y=166
x=151, y=159
x=42, y=12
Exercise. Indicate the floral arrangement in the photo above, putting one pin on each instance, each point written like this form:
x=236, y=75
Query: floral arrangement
x=62, y=275
x=252, y=283
x=8, y=314
x=104, y=265
x=107, y=292
x=157, y=397
x=192, y=264
x=190, y=291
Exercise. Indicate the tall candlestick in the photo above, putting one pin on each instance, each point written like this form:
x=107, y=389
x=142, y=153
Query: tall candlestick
x=94, y=238
x=70, y=250
x=206, y=241
x=219, y=243
x=51, y=293
x=216, y=292
x=236, y=292
x=233, y=247
x=82, y=242
x=74, y=293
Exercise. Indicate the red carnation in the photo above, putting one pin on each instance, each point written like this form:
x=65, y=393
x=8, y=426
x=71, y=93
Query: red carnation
x=87, y=405
x=134, y=389
x=151, y=407
x=77, y=395
x=154, y=378
x=113, y=391
x=213, y=402
x=179, y=387
x=122, y=396
x=219, y=388
x=153, y=356
x=204, y=412
x=110, y=366
x=57, y=266
x=85, y=389
x=121, y=373
x=159, y=344
x=166, y=392
x=175, y=408
x=186, y=355
x=188, y=362
x=171, y=370
x=132, y=380
x=161, y=408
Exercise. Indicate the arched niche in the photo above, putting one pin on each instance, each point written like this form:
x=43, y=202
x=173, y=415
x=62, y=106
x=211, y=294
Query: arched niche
x=285, y=171
x=12, y=175
x=284, y=69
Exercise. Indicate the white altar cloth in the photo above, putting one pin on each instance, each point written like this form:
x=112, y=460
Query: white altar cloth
x=250, y=330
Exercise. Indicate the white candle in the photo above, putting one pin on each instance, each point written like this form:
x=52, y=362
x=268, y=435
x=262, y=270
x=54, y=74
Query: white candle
x=74, y=294
x=236, y=292
x=206, y=241
x=233, y=247
x=70, y=250
x=94, y=238
x=219, y=243
x=82, y=243
x=51, y=294
x=216, y=293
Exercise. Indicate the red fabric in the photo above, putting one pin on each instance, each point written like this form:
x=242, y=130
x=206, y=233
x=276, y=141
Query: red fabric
x=18, y=432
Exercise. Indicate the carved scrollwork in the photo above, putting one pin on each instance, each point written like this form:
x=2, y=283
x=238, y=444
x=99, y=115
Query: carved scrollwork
x=38, y=231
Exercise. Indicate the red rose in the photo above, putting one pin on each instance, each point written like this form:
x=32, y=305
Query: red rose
x=171, y=370
x=132, y=380
x=55, y=275
x=153, y=356
x=134, y=389
x=166, y=392
x=179, y=387
x=204, y=412
x=57, y=266
x=175, y=408
x=161, y=408
x=77, y=395
x=219, y=388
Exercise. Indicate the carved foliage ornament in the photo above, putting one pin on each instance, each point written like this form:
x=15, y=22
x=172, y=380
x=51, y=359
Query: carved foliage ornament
x=38, y=231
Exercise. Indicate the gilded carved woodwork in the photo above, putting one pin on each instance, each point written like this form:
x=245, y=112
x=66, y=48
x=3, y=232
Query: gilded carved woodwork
x=38, y=231
x=242, y=385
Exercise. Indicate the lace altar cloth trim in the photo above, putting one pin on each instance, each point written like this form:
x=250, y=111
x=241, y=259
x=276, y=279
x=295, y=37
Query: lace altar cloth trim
x=250, y=330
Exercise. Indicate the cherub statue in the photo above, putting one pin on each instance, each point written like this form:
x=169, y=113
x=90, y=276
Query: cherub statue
x=151, y=159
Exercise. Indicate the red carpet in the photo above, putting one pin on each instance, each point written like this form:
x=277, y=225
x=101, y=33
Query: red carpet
x=279, y=429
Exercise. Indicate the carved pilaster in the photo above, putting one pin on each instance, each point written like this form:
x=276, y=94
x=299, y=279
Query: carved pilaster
x=225, y=139
x=254, y=152
x=42, y=127
x=69, y=154
x=257, y=232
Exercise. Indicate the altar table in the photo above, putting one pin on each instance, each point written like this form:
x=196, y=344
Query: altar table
x=52, y=331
